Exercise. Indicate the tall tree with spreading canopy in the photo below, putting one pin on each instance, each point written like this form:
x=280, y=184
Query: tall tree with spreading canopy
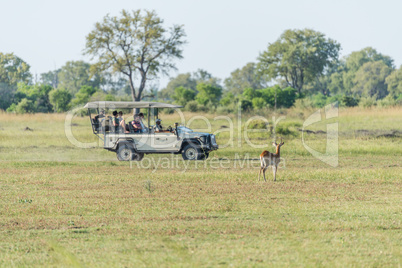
x=246, y=77
x=137, y=45
x=298, y=56
x=13, y=70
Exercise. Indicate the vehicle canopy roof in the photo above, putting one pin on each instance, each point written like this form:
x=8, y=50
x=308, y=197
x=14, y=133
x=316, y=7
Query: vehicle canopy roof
x=129, y=104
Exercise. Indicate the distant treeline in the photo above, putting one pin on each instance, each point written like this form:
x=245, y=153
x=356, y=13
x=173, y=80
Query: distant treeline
x=302, y=68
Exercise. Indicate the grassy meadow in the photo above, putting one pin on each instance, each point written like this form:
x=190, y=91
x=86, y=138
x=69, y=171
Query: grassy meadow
x=62, y=205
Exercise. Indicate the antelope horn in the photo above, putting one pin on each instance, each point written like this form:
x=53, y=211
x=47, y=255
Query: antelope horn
x=281, y=139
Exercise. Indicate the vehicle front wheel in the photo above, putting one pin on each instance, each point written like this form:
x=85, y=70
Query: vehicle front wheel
x=204, y=156
x=138, y=156
x=125, y=152
x=191, y=152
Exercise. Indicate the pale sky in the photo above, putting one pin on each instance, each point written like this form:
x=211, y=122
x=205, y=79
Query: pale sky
x=222, y=35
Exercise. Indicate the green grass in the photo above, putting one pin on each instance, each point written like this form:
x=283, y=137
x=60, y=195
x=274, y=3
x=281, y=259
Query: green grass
x=63, y=206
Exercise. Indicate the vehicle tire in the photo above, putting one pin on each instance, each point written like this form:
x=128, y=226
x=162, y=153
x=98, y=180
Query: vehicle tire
x=137, y=156
x=191, y=152
x=125, y=152
x=206, y=155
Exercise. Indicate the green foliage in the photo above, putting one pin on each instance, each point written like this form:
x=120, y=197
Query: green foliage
x=83, y=95
x=266, y=97
x=181, y=80
x=245, y=105
x=76, y=74
x=370, y=80
x=251, y=93
x=319, y=100
x=208, y=93
x=192, y=106
x=367, y=102
x=50, y=78
x=135, y=44
x=37, y=94
x=394, y=82
x=246, y=77
x=60, y=99
x=298, y=56
x=13, y=69
x=25, y=106
x=258, y=103
x=228, y=99
x=183, y=95
x=110, y=97
x=349, y=101
x=358, y=58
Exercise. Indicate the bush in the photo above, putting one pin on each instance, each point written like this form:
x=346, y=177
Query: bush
x=368, y=102
x=319, y=100
x=191, y=106
x=258, y=103
x=25, y=106
x=245, y=105
x=349, y=101
x=387, y=101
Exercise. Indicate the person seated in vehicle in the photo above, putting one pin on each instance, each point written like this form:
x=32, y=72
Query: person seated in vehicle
x=100, y=115
x=122, y=123
x=158, y=127
x=115, y=121
x=98, y=123
x=144, y=129
x=136, y=124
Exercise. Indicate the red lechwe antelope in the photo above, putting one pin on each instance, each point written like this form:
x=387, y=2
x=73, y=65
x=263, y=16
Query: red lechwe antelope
x=268, y=159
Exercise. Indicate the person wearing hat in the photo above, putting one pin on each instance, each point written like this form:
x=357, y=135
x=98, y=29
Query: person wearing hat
x=158, y=127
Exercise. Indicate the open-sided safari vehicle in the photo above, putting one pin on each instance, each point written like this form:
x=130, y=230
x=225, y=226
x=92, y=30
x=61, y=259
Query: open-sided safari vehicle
x=130, y=144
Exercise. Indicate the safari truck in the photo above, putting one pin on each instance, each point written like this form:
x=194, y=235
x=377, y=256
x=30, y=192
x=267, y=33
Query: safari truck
x=131, y=144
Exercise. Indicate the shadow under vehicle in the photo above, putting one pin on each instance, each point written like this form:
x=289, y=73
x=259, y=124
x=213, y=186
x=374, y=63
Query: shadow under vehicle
x=131, y=145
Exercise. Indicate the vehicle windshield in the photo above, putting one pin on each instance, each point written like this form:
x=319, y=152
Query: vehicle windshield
x=185, y=129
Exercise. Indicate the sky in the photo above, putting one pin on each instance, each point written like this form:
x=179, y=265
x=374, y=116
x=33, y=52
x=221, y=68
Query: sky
x=222, y=35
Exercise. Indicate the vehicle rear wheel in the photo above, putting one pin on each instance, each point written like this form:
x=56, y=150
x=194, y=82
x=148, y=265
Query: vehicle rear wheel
x=125, y=152
x=191, y=152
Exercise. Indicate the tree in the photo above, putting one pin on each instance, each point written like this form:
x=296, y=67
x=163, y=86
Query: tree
x=75, y=74
x=135, y=45
x=208, y=93
x=50, y=78
x=83, y=95
x=183, y=95
x=202, y=76
x=246, y=77
x=298, y=56
x=370, y=80
x=356, y=60
x=60, y=99
x=13, y=70
x=394, y=83
x=37, y=94
x=181, y=80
